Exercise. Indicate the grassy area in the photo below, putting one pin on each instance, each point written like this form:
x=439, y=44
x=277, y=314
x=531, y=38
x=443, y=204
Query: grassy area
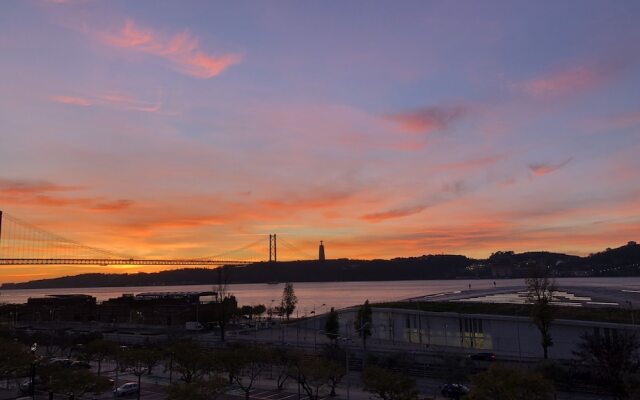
x=617, y=315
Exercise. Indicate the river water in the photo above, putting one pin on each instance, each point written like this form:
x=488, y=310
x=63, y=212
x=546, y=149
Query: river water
x=320, y=296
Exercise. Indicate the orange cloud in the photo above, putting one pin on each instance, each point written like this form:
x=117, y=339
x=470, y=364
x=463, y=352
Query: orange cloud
x=391, y=214
x=40, y=193
x=182, y=50
x=540, y=169
x=428, y=119
x=14, y=187
x=112, y=205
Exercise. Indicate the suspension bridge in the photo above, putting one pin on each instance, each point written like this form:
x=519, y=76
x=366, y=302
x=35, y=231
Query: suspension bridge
x=24, y=244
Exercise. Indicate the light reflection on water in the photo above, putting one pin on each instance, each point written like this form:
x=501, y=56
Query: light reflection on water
x=333, y=294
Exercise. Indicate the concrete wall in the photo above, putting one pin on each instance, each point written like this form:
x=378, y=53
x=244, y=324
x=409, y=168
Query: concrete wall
x=503, y=335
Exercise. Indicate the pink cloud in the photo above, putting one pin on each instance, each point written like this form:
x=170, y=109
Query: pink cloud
x=182, y=50
x=620, y=121
x=428, y=119
x=472, y=164
x=112, y=99
x=540, y=169
x=77, y=101
x=565, y=81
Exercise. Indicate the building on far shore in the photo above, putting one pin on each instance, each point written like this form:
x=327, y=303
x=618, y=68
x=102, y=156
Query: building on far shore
x=321, y=252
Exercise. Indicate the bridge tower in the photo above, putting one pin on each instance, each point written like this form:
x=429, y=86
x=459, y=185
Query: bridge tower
x=273, y=254
x=0, y=226
x=321, y=252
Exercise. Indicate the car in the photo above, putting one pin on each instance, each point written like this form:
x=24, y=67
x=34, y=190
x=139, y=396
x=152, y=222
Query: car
x=483, y=356
x=60, y=362
x=127, y=389
x=454, y=390
x=80, y=365
x=25, y=386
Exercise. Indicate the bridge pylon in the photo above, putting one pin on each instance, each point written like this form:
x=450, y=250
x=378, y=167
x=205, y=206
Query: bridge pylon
x=273, y=251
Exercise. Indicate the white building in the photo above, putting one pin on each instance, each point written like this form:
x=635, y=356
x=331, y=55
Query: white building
x=506, y=336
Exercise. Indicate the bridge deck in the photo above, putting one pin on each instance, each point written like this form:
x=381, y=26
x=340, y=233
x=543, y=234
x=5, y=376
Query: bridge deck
x=104, y=262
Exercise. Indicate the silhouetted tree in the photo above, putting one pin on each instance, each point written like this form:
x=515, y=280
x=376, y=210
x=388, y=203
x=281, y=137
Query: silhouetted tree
x=332, y=326
x=388, y=385
x=540, y=289
x=15, y=360
x=225, y=304
x=98, y=351
x=337, y=356
x=281, y=359
x=202, y=389
x=136, y=359
x=73, y=382
x=313, y=373
x=610, y=360
x=244, y=365
x=191, y=361
x=363, y=321
x=508, y=383
x=288, y=301
x=259, y=310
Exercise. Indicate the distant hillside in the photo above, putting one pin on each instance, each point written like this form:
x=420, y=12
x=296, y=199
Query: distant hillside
x=621, y=261
x=426, y=267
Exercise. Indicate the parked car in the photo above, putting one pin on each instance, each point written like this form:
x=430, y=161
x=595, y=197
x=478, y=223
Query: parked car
x=193, y=326
x=60, y=362
x=80, y=365
x=25, y=386
x=127, y=389
x=483, y=356
x=454, y=390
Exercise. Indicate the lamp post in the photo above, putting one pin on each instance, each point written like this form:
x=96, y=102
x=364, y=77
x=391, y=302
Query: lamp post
x=346, y=341
x=32, y=387
x=119, y=355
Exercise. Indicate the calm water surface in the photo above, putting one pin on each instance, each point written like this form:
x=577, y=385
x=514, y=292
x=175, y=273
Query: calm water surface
x=322, y=295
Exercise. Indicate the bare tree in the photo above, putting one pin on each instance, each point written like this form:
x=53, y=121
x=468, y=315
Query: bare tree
x=540, y=289
x=611, y=361
x=225, y=302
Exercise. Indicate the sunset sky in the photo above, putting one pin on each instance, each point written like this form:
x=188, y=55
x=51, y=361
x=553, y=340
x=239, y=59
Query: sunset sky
x=384, y=128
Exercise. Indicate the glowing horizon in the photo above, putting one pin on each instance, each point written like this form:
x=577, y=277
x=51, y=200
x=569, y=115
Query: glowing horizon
x=186, y=129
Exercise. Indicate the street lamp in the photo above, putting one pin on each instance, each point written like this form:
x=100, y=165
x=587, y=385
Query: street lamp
x=346, y=341
x=32, y=387
x=633, y=322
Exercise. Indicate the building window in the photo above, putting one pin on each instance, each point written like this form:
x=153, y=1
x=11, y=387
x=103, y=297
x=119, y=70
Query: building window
x=471, y=333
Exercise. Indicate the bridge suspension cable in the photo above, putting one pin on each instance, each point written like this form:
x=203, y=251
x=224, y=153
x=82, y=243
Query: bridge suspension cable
x=19, y=239
x=295, y=249
x=241, y=251
x=24, y=244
